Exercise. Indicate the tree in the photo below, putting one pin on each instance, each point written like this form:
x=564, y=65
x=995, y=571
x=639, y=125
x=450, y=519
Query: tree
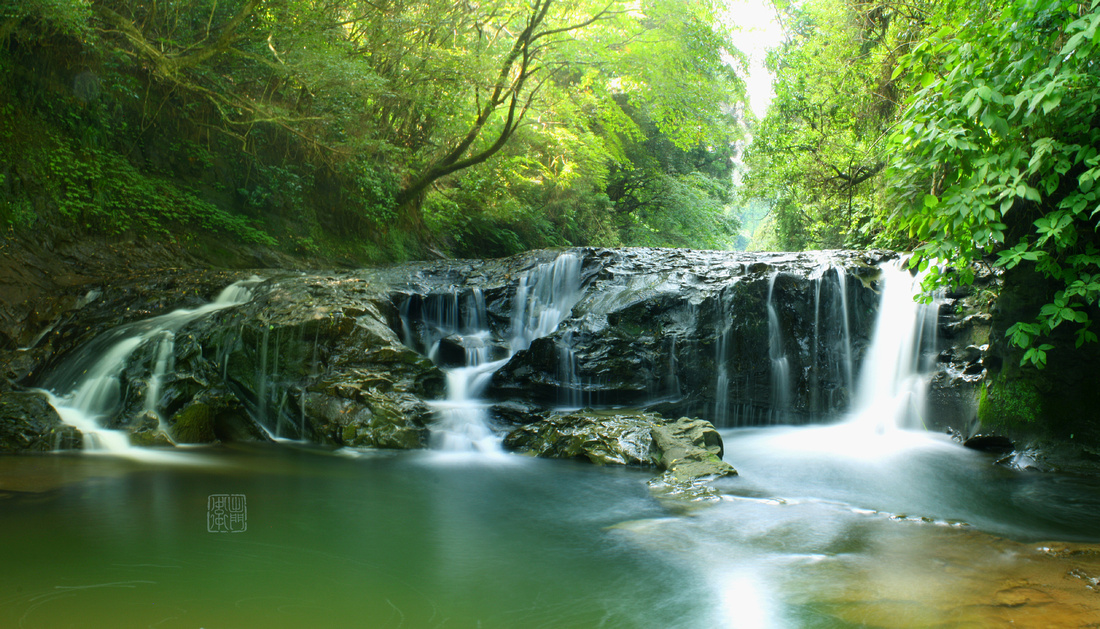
x=351, y=117
x=819, y=152
x=998, y=153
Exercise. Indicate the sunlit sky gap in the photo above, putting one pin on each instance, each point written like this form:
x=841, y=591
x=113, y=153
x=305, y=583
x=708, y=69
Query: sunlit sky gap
x=755, y=31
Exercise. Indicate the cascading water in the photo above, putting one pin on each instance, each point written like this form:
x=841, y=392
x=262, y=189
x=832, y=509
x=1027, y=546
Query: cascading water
x=88, y=390
x=781, y=368
x=544, y=298
x=831, y=358
x=721, y=378
x=894, y=376
x=452, y=330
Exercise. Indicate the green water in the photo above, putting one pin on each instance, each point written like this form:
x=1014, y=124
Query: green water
x=800, y=539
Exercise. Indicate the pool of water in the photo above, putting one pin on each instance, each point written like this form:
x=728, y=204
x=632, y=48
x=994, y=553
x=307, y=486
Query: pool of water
x=821, y=529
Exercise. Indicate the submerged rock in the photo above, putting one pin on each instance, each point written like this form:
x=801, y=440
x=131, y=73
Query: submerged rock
x=29, y=424
x=687, y=448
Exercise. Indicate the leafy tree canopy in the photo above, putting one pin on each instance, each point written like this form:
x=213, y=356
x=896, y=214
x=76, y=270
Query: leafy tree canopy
x=818, y=155
x=998, y=151
x=450, y=122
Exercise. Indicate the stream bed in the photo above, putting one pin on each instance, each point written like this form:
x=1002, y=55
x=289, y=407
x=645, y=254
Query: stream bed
x=822, y=528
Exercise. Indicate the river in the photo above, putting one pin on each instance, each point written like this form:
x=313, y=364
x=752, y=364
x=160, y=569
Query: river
x=902, y=530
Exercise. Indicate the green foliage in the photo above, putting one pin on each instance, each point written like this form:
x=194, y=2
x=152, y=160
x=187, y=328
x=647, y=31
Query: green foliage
x=66, y=17
x=818, y=154
x=506, y=121
x=1012, y=403
x=998, y=151
x=105, y=193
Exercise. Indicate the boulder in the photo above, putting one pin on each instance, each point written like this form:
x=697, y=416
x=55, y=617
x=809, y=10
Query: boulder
x=29, y=424
x=370, y=418
x=454, y=349
x=689, y=449
x=600, y=438
x=990, y=443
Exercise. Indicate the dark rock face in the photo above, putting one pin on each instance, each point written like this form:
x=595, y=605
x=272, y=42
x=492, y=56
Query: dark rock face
x=340, y=358
x=965, y=359
x=307, y=358
x=29, y=424
x=738, y=339
x=689, y=449
x=990, y=443
x=310, y=358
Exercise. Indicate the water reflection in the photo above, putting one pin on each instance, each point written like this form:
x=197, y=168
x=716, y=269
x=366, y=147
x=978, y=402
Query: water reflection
x=887, y=534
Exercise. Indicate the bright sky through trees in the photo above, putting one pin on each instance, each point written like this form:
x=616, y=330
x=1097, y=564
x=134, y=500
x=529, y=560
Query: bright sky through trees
x=756, y=30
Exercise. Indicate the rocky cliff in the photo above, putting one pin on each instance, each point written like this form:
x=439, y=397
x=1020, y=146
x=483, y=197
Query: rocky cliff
x=343, y=357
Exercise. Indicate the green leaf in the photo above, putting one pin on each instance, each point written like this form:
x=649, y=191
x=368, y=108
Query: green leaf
x=1071, y=45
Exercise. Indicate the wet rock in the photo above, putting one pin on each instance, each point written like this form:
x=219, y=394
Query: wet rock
x=454, y=349
x=29, y=424
x=683, y=333
x=369, y=419
x=194, y=424
x=146, y=432
x=1026, y=460
x=254, y=369
x=690, y=449
x=687, y=332
x=681, y=494
x=517, y=412
x=601, y=438
x=989, y=443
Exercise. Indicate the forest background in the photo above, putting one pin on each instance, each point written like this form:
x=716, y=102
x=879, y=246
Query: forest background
x=366, y=132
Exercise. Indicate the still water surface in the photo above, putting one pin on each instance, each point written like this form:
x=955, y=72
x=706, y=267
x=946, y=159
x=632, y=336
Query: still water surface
x=820, y=530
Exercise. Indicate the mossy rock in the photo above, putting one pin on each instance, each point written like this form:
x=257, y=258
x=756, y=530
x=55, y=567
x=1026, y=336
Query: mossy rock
x=29, y=424
x=622, y=439
x=1012, y=404
x=689, y=449
x=146, y=432
x=370, y=419
x=194, y=424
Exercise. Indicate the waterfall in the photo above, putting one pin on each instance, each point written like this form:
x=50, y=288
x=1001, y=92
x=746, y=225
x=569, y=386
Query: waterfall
x=571, y=395
x=831, y=367
x=894, y=376
x=722, y=379
x=780, y=366
x=842, y=282
x=88, y=390
x=544, y=297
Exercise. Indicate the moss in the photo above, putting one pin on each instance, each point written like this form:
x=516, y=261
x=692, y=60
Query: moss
x=1011, y=403
x=194, y=424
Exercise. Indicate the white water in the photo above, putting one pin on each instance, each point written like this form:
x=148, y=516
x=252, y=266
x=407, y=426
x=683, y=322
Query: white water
x=544, y=298
x=892, y=383
x=781, y=367
x=96, y=392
